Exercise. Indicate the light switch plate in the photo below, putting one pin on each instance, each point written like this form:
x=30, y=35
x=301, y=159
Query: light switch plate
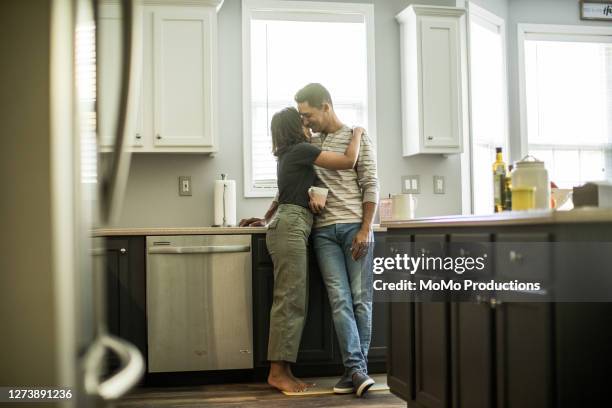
x=184, y=185
x=411, y=184
x=438, y=185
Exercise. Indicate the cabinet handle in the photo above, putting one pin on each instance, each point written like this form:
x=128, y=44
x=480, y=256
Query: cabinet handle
x=515, y=256
x=158, y=136
x=495, y=303
x=138, y=136
x=123, y=251
x=429, y=137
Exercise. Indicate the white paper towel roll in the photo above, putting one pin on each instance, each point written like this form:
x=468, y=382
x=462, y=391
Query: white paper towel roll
x=225, y=203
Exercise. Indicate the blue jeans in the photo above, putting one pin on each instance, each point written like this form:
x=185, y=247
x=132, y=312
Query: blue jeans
x=349, y=288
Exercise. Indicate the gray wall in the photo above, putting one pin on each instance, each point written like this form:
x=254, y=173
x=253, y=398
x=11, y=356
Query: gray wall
x=152, y=197
x=536, y=12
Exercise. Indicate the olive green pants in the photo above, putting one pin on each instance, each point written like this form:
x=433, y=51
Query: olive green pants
x=287, y=240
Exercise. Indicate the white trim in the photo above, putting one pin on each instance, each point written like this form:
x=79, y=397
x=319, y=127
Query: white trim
x=556, y=33
x=488, y=17
x=287, y=10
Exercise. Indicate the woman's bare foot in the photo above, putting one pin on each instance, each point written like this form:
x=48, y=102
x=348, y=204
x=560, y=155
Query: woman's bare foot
x=279, y=378
x=284, y=383
x=297, y=380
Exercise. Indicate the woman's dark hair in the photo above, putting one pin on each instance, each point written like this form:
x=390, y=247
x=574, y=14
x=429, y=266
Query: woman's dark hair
x=286, y=128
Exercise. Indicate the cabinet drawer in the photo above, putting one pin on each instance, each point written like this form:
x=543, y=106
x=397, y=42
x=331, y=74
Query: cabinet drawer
x=431, y=246
x=525, y=257
x=473, y=246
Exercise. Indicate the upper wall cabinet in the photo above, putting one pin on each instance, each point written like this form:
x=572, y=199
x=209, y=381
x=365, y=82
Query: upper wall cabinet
x=177, y=108
x=434, y=79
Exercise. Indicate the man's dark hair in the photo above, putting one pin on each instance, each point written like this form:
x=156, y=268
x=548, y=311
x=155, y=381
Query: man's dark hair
x=315, y=94
x=287, y=130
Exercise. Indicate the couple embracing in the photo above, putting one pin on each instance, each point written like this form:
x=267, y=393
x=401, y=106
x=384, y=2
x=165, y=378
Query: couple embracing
x=343, y=161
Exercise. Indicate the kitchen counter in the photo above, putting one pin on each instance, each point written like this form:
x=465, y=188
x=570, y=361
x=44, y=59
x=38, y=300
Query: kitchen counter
x=533, y=217
x=133, y=231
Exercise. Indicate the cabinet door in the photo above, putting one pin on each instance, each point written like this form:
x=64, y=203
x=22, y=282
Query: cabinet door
x=432, y=354
x=441, y=81
x=109, y=77
x=184, y=45
x=400, y=361
x=524, y=355
x=126, y=291
x=318, y=335
x=472, y=350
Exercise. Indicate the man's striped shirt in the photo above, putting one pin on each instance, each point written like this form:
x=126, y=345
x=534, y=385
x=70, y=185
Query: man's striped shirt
x=348, y=189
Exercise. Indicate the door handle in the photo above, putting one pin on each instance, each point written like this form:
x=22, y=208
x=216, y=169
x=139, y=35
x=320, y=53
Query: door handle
x=202, y=249
x=120, y=383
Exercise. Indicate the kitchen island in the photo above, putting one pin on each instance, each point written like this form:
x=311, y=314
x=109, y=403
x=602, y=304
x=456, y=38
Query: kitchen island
x=498, y=353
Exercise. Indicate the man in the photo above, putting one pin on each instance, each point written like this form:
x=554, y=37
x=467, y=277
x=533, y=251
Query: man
x=342, y=234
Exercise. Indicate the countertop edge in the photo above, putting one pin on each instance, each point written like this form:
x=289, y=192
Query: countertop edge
x=536, y=217
x=140, y=231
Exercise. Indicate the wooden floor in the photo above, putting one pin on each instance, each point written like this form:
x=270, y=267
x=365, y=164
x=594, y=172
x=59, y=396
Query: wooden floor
x=248, y=395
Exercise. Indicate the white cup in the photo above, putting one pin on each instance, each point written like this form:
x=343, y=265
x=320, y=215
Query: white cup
x=320, y=193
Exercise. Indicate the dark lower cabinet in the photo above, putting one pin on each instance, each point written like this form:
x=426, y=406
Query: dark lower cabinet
x=319, y=353
x=498, y=353
x=126, y=291
x=472, y=355
x=400, y=362
x=432, y=354
x=524, y=355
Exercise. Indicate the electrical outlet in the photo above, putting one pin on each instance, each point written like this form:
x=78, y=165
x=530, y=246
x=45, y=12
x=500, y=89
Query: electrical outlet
x=411, y=184
x=438, y=184
x=184, y=185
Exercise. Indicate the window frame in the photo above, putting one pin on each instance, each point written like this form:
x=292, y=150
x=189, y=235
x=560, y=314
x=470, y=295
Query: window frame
x=467, y=163
x=282, y=9
x=570, y=33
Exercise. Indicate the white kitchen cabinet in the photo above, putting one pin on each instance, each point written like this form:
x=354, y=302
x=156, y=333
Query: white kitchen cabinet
x=177, y=103
x=183, y=60
x=109, y=77
x=433, y=79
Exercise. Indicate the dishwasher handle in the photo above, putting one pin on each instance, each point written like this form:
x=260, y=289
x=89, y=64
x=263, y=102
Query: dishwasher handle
x=200, y=249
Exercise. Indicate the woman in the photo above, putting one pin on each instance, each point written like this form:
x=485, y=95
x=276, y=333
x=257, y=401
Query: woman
x=287, y=238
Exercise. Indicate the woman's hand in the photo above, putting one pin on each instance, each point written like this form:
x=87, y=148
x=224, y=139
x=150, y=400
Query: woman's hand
x=316, y=203
x=252, y=222
x=358, y=131
x=307, y=133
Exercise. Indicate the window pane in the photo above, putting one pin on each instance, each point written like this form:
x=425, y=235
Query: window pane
x=285, y=56
x=488, y=108
x=569, y=108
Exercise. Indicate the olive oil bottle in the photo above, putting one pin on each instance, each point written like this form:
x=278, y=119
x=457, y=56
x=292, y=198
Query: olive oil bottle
x=499, y=181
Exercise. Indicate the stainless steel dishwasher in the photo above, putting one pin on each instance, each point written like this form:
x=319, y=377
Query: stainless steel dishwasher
x=199, y=307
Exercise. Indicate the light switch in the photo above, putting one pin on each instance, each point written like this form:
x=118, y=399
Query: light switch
x=438, y=182
x=411, y=184
x=184, y=185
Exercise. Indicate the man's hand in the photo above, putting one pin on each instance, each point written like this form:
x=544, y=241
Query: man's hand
x=316, y=203
x=252, y=222
x=361, y=243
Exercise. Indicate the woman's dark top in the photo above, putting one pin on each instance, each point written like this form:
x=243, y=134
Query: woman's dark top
x=295, y=173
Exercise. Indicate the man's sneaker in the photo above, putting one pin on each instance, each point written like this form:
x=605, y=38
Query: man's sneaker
x=344, y=386
x=362, y=383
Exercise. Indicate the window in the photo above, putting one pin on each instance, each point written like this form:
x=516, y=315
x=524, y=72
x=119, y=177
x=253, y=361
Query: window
x=567, y=102
x=289, y=44
x=488, y=102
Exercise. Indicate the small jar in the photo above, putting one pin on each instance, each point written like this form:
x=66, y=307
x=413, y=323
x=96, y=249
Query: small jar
x=530, y=172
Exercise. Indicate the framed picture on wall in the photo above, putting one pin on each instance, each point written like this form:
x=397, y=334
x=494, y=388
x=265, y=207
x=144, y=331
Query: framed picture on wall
x=596, y=10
